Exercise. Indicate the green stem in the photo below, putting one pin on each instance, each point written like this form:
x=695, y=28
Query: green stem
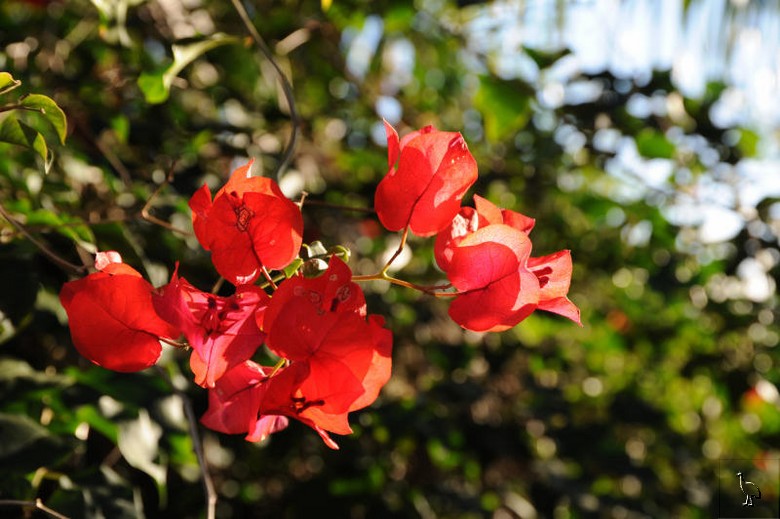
x=431, y=290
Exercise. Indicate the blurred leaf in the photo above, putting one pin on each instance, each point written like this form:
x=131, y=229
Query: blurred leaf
x=16, y=132
x=654, y=145
x=505, y=107
x=26, y=445
x=545, y=59
x=50, y=111
x=17, y=376
x=90, y=415
x=748, y=142
x=139, y=443
x=156, y=86
x=19, y=281
x=98, y=494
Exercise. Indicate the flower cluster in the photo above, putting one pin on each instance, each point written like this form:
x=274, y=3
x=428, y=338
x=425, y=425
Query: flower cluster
x=485, y=251
x=333, y=356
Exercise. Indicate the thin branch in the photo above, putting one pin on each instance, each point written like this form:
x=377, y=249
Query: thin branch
x=397, y=252
x=149, y=217
x=176, y=344
x=431, y=290
x=13, y=86
x=192, y=424
x=283, y=81
x=268, y=278
x=54, y=257
x=218, y=285
x=106, y=151
x=37, y=504
x=17, y=106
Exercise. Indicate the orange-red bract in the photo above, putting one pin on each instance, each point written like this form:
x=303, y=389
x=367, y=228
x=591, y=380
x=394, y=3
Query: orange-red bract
x=248, y=225
x=484, y=267
x=496, y=290
x=222, y=331
x=554, y=274
x=111, y=318
x=425, y=189
x=469, y=220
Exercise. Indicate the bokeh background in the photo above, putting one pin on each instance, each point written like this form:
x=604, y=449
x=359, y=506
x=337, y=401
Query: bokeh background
x=642, y=135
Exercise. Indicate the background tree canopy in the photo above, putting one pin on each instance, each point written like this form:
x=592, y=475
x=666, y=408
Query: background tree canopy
x=648, y=152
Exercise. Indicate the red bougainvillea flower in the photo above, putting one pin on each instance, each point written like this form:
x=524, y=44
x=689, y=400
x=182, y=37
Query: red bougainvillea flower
x=554, y=275
x=111, y=317
x=331, y=291
x=339, y=359
x=234, y=403
x=222, y=331
x=495, y=289
x=425, y=189
x=553, y=272
x=339, y=363
x=249, y=225
x=469, y=220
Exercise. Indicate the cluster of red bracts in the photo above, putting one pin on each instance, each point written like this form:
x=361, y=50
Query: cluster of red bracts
x=334, y=358
x=485, y=252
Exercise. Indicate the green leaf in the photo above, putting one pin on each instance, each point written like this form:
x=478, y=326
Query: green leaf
x=341, y=251
x=654, y=145
x=291, y=269
x=7, y=82
x=156, y=86
x=16, y=132
x=50, y=111
x=505, y=107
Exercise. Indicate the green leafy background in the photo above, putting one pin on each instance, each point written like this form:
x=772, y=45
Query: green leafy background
x=645, y=411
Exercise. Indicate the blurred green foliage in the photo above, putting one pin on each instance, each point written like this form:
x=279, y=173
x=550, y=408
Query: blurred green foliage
x=637, y=414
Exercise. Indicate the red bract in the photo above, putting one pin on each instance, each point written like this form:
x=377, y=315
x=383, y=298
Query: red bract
x=496, y=290
x=424, y=191
x=111, y=317
x=248, y=226
x=339, y=363
x=554, y=274
x=339, y=359
x=469, y=220
x=331, y=291
x=235, y=401
x=222, y=331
